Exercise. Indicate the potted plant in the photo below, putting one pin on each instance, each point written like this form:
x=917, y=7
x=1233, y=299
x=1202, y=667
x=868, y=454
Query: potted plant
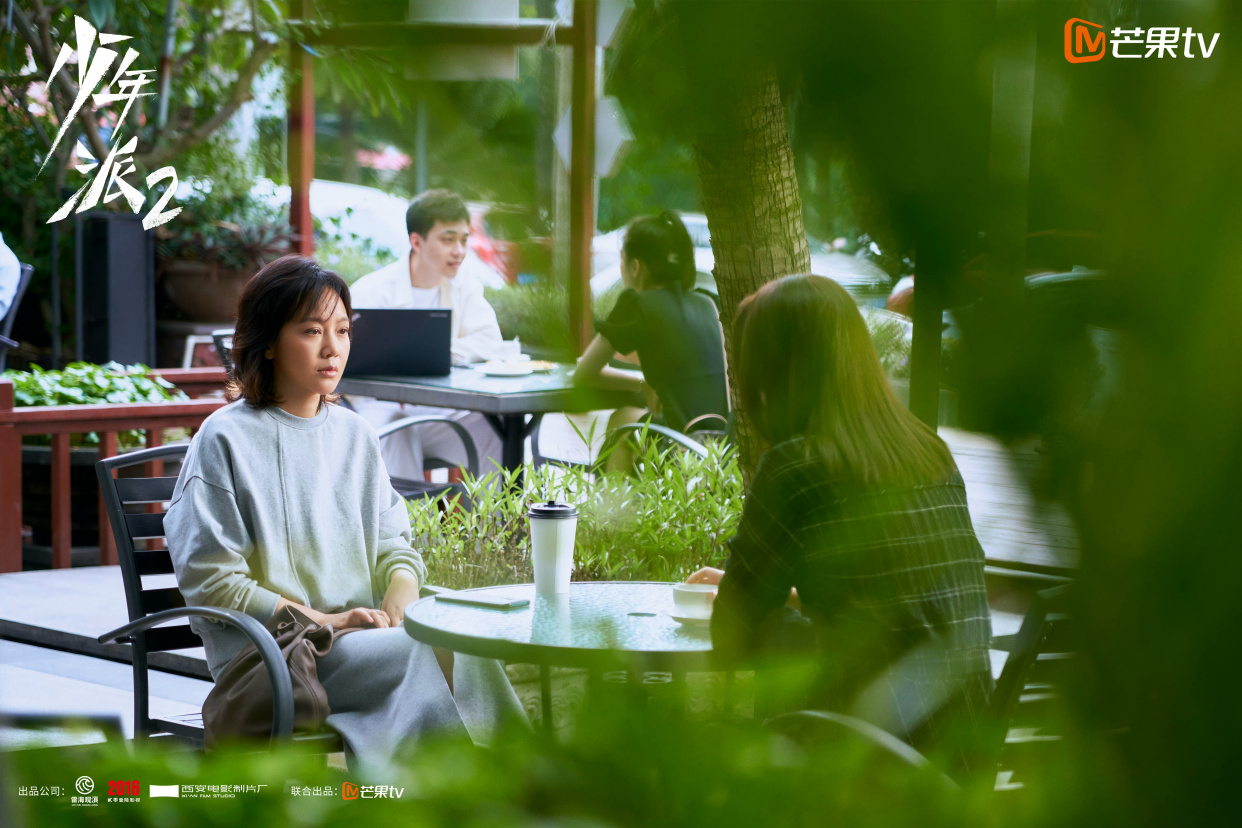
x=213, y=248
x=79, y=383
x=539, y=316
x=893, y=335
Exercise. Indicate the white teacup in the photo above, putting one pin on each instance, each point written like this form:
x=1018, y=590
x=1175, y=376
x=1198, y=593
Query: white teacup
x=507, y=351
x=694, y=600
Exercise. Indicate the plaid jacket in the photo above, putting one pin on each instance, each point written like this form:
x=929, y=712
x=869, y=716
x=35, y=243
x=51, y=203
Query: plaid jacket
x=892, y=582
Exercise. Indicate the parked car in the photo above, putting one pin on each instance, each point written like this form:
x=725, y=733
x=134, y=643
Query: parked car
x=606, y=247
x=514, y=241
x=860, y=277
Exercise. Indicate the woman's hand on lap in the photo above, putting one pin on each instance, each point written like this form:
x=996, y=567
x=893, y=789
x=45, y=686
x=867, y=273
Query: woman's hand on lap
x=357, y=617
x=402, y=591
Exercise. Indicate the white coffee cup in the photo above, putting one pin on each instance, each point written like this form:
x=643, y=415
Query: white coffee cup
x=509, y=350
x=694, y=600
x=552, y=529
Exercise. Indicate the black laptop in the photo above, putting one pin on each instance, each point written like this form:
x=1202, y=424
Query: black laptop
x=400, y=343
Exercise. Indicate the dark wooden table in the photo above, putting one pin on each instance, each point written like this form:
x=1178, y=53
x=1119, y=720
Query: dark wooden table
x=513, y=405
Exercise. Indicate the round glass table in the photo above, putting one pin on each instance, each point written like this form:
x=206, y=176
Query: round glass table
x=597, y=625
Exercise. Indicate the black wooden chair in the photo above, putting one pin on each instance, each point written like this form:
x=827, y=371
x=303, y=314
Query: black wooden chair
x=711, y=427
x=1026, y=701
x=1022, y=717
x=614, y=437
x=413, y=489
x=6, y=323
x=151, y=609
x=223, y=340
x=808, y=727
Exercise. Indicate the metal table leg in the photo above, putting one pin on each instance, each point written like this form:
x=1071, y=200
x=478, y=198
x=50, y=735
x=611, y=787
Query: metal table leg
x=545, y=696
x=513, y=429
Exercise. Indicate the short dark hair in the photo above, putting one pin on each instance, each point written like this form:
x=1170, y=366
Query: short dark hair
x=663, y=244
x=285, y=289
x=431, y=206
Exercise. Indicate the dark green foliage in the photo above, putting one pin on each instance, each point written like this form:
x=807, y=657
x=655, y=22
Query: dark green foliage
x=82, y=383
x=620, y=769
x=539, y=316
x=234, y=230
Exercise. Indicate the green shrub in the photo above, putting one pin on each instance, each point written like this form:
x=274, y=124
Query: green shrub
x=539, y=315
x=352, y=256
x=82, y=383
x=664, y=522
x=890, y=333
x=623, y=767
x=235, y=230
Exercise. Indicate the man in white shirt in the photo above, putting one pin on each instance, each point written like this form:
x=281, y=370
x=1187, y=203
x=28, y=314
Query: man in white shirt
x=439, y=226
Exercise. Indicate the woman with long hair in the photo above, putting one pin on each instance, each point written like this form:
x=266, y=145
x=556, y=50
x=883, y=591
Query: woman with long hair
x=283, y=501
x=674, y=330
x=857, y=515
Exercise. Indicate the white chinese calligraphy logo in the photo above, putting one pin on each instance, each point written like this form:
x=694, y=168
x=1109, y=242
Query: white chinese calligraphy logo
x=109, y=182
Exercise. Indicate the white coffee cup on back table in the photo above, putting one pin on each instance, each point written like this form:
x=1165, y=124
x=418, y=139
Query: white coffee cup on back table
x=694, y=600
x=508, y=350
x=552, y=529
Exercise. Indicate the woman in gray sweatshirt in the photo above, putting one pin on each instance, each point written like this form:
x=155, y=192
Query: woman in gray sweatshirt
x=283, y=500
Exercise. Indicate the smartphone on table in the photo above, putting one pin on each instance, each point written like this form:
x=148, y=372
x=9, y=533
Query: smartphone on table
x=482, y=599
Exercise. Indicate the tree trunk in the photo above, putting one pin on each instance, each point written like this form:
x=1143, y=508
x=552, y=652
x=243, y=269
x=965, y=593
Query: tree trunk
x=750, y=195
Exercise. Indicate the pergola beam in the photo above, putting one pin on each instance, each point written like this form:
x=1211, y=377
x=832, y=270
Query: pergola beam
x=301, y=152
x=582, y=174
x=401, y=34
x=406, y=34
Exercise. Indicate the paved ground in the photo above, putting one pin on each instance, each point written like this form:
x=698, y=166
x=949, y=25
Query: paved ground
x=68, y=609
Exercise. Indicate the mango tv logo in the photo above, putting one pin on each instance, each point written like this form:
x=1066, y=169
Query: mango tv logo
x=1084, y=41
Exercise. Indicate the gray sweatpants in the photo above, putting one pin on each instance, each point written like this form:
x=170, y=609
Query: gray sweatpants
x=386, y=690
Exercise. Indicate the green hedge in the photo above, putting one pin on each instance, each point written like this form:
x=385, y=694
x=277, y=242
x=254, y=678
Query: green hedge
x=626, y=768
x=83, y=383
x=670, y=517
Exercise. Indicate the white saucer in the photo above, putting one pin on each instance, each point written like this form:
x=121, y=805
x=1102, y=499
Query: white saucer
x=691, y=622
x=505, y=369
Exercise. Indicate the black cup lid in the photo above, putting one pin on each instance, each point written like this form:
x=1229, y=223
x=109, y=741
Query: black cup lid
x=553, y=510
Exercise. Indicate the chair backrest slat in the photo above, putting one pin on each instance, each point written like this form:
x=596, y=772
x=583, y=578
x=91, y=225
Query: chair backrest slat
x=180, y=637
x=157, y=600
x=123, y=525
x=145, y=489
x=223, y=340
x=145, y=526
x=155, y=562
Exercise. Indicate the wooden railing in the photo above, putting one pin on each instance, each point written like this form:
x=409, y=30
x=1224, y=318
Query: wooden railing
x=60, y=421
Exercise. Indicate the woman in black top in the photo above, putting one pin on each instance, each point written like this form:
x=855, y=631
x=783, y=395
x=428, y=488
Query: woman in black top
x=857, y=515
x=675, y=331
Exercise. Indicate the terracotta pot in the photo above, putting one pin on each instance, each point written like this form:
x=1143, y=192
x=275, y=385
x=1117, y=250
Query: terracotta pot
x=204, y=292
